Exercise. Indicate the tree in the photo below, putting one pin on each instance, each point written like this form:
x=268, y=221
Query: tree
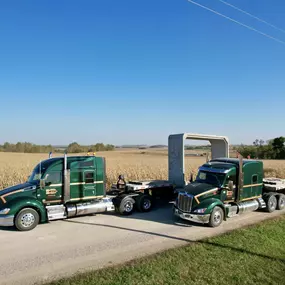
x=278, y=145
x=74, y=148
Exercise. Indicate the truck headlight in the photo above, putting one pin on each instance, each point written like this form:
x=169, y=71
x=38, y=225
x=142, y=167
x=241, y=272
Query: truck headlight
x=200, y=211
x=4, y=211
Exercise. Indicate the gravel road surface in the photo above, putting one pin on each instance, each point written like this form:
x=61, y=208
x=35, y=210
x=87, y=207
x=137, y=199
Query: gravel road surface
x=62, y=248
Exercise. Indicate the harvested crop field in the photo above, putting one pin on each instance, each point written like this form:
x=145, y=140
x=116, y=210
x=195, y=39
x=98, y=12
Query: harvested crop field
x=134, y=164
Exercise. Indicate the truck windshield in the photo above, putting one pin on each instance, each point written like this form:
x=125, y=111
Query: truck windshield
x=36, y=174
x=215, y=179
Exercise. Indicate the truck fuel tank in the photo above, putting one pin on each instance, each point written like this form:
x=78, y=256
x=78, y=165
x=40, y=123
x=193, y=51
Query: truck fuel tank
x=248, y=206
x=103, y=205
x=243, y=207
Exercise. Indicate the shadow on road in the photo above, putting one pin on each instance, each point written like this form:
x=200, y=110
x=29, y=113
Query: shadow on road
x=8, y=229
x=161, y=213
x=205, y=242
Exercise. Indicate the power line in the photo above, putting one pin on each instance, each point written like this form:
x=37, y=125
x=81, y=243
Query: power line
x=237, y=22
x=257, y=18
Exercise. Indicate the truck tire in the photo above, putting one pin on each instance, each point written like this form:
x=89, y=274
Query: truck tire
x=27, y=219
x=144, y=203
x=271, y=204
x=281, y=202
x=126, y=206
x=216, y=217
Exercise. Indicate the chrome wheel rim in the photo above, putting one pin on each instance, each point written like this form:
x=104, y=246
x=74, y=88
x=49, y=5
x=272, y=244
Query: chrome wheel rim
x=217, y=217
x=128, y=207
x=146, y=204
x=282, y=202
x=27, y=220
x=272, y=204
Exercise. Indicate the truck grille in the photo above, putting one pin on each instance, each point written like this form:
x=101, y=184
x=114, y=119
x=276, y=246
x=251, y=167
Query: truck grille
x=184, y=202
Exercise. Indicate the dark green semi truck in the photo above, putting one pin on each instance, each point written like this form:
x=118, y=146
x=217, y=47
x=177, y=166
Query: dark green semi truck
x=226, y=187
x=69, y=186
x=66, y=187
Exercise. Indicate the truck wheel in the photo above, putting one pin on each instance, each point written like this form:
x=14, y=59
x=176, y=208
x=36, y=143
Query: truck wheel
x=144, y=203
x=216, y=217
x=126, y=206
x=271, y=204
x=281, y=202
x=27, y=219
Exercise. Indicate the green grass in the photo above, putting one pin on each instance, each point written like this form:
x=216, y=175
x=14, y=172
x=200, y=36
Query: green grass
x=253, y=255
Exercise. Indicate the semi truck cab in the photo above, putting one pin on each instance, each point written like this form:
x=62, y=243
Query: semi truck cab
x=65, y=187
x=224, y=188
x=57, y=188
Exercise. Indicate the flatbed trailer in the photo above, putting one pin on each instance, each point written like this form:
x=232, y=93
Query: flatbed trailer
x=274, y=184
x=140, y=195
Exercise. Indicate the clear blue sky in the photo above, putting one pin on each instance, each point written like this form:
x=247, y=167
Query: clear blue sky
x=128, y=71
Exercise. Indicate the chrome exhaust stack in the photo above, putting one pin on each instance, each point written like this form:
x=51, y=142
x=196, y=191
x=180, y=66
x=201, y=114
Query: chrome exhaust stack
x=66, y=179
x=240, y=178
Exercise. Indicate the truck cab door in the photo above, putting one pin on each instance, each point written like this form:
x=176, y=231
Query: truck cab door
x=53, y=187
x=89, y=189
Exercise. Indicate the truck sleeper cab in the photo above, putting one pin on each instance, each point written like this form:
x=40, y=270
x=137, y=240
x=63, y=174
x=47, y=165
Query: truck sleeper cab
x=224, y=188
x=64, y=187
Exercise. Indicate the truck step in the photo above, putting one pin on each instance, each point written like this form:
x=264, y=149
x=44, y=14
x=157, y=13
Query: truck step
x=232, y=212
x=262, y=203
x=56, y=212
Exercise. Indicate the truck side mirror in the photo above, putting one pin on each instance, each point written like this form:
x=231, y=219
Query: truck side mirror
x=42, y=183
x=231, y=185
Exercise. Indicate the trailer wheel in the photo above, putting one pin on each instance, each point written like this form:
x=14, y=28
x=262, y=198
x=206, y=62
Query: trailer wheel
x=281, y=202
x=271, y=204
x=126, y=206
x=27, y=219
x=216, y=217
x=144, y=203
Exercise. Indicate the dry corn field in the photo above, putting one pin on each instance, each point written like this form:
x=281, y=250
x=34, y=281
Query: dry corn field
x=134, y=164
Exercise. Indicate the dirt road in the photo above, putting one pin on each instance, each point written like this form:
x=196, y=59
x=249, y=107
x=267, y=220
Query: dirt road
x=63, y=247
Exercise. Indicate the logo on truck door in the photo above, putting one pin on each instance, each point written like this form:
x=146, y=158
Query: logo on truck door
x=51, y=191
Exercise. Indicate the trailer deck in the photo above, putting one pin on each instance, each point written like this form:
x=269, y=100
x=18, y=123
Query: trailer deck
x=274, y=184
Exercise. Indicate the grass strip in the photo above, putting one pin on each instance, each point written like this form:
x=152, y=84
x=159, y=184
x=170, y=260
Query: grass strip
x=252, y=255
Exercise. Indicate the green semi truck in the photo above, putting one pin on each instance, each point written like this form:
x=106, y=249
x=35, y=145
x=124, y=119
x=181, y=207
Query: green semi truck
x=69, y=186
x=226, y=187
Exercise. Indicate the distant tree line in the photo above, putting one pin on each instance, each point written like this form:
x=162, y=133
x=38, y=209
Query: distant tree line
x=272, y=149
x=205, y=147
x=26, y=147
x=77, y=148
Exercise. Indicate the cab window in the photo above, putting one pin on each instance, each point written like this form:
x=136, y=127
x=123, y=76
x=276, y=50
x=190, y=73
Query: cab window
x=231, y=177
x=254, y=179
x=54, y=177
x=89, y=177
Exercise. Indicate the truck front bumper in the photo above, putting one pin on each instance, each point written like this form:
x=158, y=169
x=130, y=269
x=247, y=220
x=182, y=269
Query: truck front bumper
x=204, y=219
x=7, y=221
